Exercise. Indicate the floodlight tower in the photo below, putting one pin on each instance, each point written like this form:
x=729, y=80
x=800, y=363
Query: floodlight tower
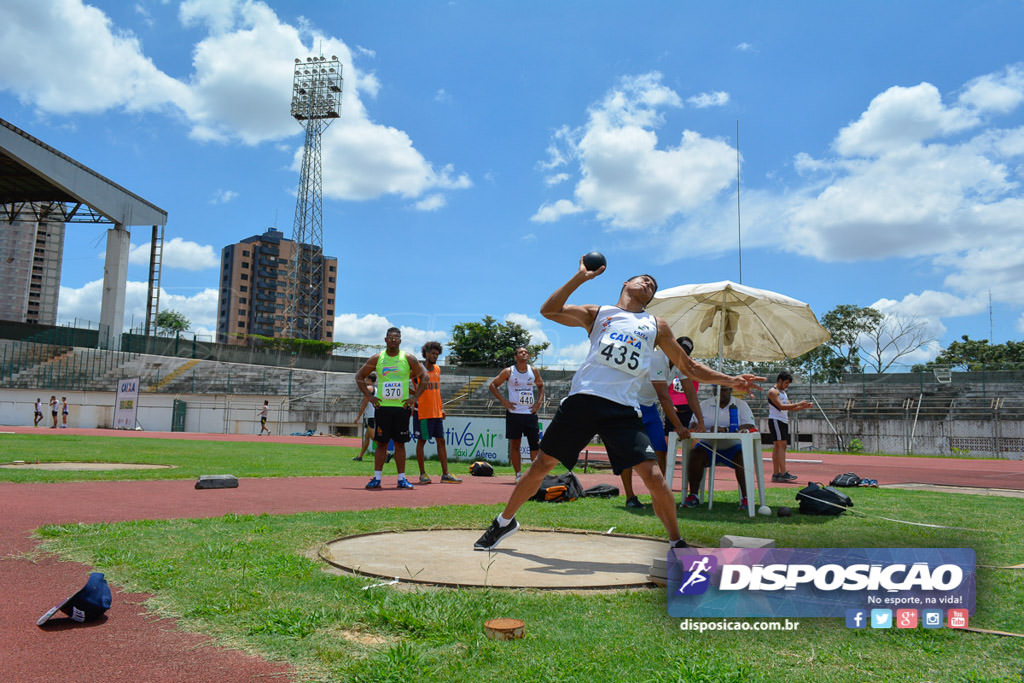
x=316, y=101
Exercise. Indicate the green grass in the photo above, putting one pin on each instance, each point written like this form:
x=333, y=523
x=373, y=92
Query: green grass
x=249, y=582
x=189, y=458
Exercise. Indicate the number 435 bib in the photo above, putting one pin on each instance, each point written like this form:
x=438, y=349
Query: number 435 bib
x=620, y=355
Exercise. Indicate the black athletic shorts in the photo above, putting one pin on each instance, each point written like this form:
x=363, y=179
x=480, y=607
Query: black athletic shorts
x=518, y=425
x=779, y=430
x=581, y=416
x=368, y=422
x=685, y=413
x=392, y=424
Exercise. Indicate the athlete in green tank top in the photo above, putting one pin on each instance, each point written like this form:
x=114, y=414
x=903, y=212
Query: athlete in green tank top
x=394, y=400
x=393, y=379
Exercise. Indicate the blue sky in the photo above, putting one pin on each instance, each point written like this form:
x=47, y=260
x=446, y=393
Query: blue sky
x=483, y=146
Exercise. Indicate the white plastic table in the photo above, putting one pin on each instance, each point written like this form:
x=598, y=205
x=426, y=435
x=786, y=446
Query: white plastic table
x=751, y=445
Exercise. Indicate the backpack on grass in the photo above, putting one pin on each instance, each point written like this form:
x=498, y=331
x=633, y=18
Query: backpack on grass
x=601, y=491
x=481, y=469
x=816, y=499
x=845, y=479
x=559, y=488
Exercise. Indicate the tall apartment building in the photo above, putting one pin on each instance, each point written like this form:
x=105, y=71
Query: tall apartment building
x=30, y=261
x=254, y=289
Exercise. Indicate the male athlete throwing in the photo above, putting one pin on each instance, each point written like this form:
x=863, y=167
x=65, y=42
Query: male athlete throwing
x=603, y=396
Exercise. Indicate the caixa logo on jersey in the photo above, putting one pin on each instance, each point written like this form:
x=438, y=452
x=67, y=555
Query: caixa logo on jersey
x=816, y=582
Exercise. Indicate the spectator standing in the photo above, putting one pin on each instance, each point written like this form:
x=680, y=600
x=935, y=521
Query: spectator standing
x=521, y=407
x=53, y=411
x=64, y=412
x=779, y=409
x=428, y=418
x=263, y=418
x=394, y=369
x=366, y=410
x=38, y=415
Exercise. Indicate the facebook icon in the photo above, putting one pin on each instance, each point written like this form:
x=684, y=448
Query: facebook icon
x=856, y=618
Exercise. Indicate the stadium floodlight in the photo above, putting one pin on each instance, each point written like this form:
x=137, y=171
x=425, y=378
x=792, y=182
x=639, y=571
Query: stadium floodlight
x=316, y=101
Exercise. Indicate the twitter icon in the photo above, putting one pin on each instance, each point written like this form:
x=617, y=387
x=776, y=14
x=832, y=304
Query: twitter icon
x=881, y=618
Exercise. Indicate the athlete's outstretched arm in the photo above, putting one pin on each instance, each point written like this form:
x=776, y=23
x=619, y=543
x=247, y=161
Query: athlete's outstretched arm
x=556, y=308
x=698, y=371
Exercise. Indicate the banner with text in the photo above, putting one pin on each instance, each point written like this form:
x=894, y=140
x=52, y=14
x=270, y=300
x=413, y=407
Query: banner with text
x=477, y=438
x=126, y=403
x=816, y=582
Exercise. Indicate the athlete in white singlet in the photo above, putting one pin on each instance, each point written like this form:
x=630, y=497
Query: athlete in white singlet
x=603, y=398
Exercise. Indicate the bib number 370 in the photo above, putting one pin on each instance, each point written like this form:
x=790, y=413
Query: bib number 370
x=620, y=357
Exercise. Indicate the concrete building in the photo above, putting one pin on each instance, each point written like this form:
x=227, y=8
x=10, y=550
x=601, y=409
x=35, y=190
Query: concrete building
x=254, y=289
x=31, y=253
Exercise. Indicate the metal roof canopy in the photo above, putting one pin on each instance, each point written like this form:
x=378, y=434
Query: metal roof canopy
x=32, y=171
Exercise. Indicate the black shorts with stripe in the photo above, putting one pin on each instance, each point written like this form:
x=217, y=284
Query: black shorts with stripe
x=581, y=416
x=518, y=425
x=778, y=429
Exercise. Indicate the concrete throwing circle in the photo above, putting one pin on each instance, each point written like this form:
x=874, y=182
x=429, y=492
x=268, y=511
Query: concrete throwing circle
x=546, y=559
x=82, y=466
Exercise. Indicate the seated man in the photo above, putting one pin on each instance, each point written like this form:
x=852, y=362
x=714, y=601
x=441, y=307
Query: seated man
x=730, y=453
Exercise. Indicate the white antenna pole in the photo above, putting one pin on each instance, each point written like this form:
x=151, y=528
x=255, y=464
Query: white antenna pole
x=990, y=339
x=739, y=232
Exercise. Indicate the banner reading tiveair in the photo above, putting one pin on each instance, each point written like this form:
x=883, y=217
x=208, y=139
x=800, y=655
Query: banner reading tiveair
x=477, y=438
x=126, y=404
x=817, y=582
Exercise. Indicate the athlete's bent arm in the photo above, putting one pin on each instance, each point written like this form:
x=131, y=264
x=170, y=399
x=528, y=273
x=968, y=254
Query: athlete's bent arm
x=540, y=392
x=369, y=366
x=497, y=382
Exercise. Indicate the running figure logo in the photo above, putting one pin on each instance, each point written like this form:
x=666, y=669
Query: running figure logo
x=696, y=573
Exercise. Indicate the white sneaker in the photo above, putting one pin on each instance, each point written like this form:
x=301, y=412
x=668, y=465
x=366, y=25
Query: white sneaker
x=519, y=475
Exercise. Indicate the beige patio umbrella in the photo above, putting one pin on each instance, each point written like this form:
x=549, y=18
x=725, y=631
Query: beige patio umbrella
x=730, y=320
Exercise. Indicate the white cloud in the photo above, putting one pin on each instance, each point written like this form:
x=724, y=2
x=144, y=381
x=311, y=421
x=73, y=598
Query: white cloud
x=911, y=184
x=223, y=196
x=900, y=117
x=746, y=47
x=531, y=325
x=998, y=93
x=93, y=67
x=431, y=202
x=84, y=303
x=370, y=329
x=238, y=90
x=567, y=356
x=177, y=253
x=217, y=15
x=556, y=179
x=548, y=213
x=715, y=99
x=442, y=96
x=930, y=304
x=626, y=176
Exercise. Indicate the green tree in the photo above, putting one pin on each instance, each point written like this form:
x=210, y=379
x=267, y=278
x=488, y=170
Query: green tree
x=489, y=343
x=973, y=354
x=842, y=353
x=172, y=322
